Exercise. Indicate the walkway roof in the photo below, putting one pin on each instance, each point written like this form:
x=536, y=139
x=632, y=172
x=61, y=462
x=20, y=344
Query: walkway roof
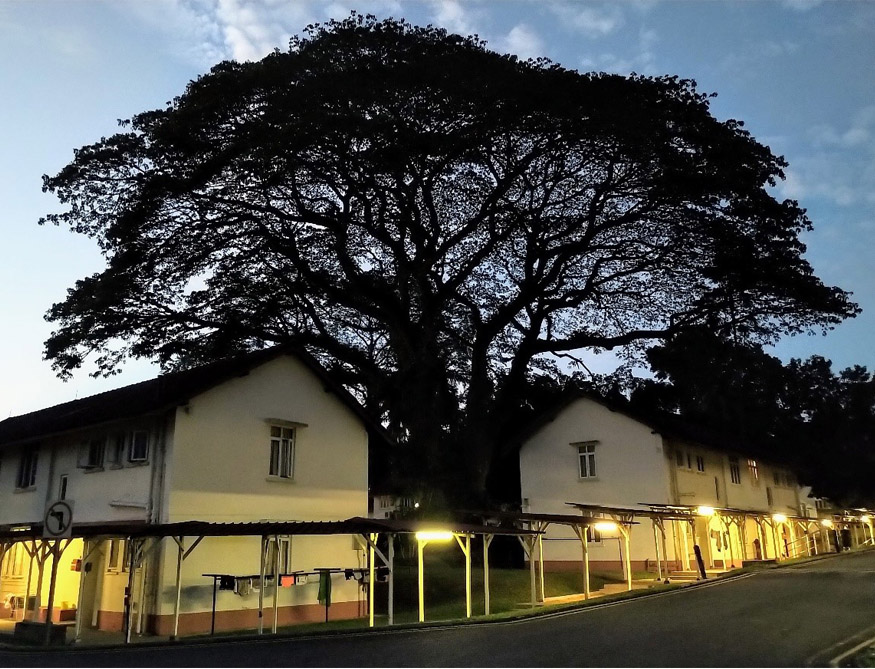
x=197, y=528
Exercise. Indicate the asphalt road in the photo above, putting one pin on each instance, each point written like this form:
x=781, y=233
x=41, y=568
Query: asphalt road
x=795, y=616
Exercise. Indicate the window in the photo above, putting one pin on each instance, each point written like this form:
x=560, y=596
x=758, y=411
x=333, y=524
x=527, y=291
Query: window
x=769, y=499
x=700, y=464
x=62, y=487
x=13, y=561
x=734, y=471
x=282, y=451
x=593, y=535
x=285, y=556
x=586, y=459
x=27, y=469
x=91, y=453
x=754, y=471
x=112, y=560
x=115, y=451
x=679, y=456
x=139, y=451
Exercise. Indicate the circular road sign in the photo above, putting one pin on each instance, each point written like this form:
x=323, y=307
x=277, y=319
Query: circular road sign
x=58, y=521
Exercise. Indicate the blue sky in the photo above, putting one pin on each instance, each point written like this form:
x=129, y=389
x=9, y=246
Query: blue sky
x=799, y=73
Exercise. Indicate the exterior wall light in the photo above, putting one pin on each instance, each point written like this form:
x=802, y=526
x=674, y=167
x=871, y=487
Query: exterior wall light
x=826, y=522
x=865, y=519
x=606, y=526
x=705, y=510
x=434, y=535
x=779, y=518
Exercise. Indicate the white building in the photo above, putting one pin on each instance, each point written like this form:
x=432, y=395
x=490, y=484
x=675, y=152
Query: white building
x=267, y=436
x=596, y=453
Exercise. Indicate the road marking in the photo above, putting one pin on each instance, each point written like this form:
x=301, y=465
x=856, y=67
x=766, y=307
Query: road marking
x=815, y=660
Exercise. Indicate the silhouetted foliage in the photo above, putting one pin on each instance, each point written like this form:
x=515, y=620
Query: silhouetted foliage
x=432, y=220
x=801, y=413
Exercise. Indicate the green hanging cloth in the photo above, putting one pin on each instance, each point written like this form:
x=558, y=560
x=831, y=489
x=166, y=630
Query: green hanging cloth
x=324, y=596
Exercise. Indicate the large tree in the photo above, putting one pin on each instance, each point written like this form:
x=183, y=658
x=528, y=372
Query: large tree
x=430, y=218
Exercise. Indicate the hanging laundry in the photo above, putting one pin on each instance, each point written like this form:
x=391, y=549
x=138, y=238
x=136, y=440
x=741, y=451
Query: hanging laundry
x=287, y=580
x=227, y=583
x=244, y=586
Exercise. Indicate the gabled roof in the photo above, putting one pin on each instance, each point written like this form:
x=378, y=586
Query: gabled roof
x=162, y=393
x=668, y=425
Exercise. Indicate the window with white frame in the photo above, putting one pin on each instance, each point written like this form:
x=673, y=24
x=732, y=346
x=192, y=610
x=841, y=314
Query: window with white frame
x=284, y=556
x=282, y=451
x=27, y=467
x=139, y=448
x=734, y=471
x=593, y=535
x=700, y=464
x=113, y=558
x=586, y=459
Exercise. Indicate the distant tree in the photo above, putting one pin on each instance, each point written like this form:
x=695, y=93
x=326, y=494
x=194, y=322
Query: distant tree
x=800, y=413
x=433, y=220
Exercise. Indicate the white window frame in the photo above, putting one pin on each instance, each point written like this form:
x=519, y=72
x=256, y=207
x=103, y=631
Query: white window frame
x=700, y=464
x=586, y=461
x=135, y=456
x=116, y=447
x=281, y=464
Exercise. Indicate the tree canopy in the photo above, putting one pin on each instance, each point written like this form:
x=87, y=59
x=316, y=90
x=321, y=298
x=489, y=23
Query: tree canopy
x=800, y=413
x=430, y=218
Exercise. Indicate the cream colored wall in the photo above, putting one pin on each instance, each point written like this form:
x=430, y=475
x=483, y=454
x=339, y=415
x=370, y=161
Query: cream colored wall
x=22, y=506
x=220, y=458
x=239, y=556
x=630, y=467
x=110, y=494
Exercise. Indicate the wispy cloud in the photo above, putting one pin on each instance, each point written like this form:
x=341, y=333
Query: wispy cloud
x=207, y=31
x=521, y=41
x=801, y=5
x=839, y=165
x=591, y=20
x=454, y=16
x=643, y=61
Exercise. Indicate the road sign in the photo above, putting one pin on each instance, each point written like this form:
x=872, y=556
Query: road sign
x=58, y=521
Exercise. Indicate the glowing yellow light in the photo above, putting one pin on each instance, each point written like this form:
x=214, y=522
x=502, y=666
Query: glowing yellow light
x=826, y=522
x=606, y=526
x=705, y=510
x=865, y=519
x=779, y=517
x=434, y=535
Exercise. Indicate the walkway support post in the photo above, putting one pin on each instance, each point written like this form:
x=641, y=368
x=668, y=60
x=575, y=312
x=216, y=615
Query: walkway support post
x=581, y=531
x=261, y=587
x=656, y=545
x=180, y=549
x=420, y=545
x=628, y=560
x=391, y=602
x=487, y=539
x=541, y=563
x=372, y=573
x=466, y=550
x=275, y=567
